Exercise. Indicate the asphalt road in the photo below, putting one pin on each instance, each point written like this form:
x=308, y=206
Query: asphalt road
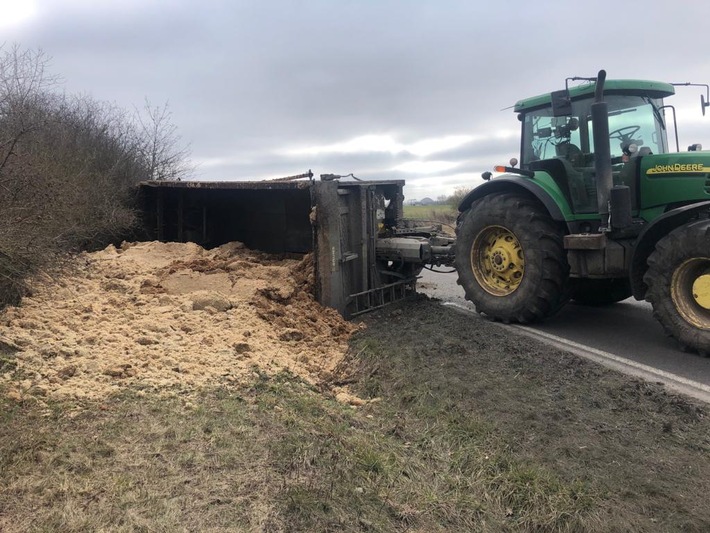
x=626, y=330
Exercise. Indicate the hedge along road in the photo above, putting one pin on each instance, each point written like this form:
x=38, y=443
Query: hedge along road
x=624, y=336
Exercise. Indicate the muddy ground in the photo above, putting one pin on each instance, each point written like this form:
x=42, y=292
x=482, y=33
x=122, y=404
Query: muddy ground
x=644, y=451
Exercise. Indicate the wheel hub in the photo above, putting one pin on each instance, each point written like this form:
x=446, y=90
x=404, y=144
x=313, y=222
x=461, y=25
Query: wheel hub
x=701, y=291
x=497, y=260
x=690, y=291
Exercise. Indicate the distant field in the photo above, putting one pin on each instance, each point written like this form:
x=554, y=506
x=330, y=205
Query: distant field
x=430, y=212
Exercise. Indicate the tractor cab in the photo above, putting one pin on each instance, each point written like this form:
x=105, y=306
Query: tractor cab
x=557, y=135
x=598, y=211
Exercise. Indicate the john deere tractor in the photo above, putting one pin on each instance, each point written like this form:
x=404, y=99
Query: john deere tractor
x=598, y=210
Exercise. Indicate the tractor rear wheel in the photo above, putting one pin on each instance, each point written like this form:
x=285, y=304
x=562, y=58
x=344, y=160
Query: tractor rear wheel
x=510, y=259
x=678, y=279
x=587, y=291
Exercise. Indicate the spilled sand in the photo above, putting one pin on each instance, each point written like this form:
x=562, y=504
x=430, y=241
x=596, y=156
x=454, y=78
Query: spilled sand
x=169, y=318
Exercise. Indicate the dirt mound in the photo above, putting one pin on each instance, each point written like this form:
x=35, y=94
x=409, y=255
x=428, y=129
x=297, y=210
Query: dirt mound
x=170, y=317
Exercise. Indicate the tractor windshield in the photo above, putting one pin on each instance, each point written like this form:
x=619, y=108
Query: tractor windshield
x=633, y=120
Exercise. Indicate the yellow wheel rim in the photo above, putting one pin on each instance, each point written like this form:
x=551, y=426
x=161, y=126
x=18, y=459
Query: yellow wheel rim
x=701, y=291
x=690, y=291
x=497, y=260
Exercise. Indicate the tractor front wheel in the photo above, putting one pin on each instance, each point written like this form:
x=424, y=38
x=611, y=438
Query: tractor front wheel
x=678, y=280
x=510, y=259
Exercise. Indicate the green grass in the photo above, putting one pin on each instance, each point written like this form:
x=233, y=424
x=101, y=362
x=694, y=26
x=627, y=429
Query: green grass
x=275, y=455
x=430, y=212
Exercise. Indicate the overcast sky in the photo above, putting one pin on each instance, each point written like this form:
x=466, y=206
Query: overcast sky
x=383, y=89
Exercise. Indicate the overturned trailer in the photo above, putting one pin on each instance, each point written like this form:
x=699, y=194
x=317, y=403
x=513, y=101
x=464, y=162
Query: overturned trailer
x=366, y=254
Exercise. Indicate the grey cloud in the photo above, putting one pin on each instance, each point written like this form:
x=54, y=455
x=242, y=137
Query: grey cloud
x=247, y=80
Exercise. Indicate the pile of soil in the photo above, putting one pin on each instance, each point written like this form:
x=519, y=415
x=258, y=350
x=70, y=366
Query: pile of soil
x=169, y=318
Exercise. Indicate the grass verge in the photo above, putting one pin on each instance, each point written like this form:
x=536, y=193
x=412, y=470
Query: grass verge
x=469, y=429
x=274, y=456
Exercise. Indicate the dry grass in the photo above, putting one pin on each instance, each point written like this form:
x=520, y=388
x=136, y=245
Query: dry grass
x=275, y=456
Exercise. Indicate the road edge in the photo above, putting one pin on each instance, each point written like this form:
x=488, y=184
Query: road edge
x=678, y=384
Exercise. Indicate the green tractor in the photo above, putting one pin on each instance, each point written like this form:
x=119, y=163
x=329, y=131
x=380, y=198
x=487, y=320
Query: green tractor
x=598, y=210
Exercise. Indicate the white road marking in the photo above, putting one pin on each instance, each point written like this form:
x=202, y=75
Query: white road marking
x=674, y=382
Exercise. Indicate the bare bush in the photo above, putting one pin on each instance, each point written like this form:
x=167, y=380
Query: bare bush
x=162, y=148
x=459, y=194
x=68, y=168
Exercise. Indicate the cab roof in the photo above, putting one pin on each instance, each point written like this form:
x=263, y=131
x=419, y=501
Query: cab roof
x=653, y=89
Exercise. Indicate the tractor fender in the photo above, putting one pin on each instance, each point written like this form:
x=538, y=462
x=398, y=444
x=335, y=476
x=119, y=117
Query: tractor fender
x=513, y=184
x=646, y=242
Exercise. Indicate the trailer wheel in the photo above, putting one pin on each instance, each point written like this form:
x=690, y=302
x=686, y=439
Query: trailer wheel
x=600, y=291
x=510, y=259
x=678, y=279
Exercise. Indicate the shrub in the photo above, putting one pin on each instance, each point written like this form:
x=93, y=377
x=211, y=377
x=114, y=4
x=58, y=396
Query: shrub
x=68, y=168
x=459, y=193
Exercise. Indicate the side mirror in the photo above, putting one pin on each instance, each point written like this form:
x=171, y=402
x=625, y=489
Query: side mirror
x=704, y=99
x=561, y=103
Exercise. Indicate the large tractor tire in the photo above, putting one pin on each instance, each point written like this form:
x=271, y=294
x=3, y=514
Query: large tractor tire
x=510, y=259
x=600, y=291
x=678, y=280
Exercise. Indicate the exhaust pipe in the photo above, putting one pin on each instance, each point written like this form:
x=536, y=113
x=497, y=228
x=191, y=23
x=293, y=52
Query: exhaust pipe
x=602, y=151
